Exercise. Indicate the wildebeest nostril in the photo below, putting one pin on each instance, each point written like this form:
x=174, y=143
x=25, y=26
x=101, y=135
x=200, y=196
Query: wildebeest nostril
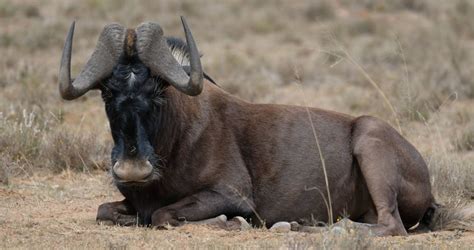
x=132, y=170
x=132, y=151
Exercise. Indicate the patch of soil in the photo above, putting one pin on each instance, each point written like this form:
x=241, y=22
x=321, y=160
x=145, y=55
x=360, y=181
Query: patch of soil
x=59, y=210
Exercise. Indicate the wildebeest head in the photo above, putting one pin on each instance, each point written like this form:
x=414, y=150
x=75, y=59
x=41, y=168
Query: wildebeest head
x=132, y=68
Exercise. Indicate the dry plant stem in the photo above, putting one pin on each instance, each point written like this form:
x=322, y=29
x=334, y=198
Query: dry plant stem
x=322, y=196
x=407, y=77
x=298, y=80
x=375, y=85
x=436, y=114
x=351, y=59
x=244, y=198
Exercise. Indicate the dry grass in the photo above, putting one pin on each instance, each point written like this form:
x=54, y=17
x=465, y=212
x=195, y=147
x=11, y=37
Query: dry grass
x=464, y=140
x=418, y=52
x=59, y=210
x=27, y=143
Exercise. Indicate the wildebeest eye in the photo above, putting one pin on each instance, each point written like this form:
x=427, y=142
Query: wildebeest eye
x=109, y=89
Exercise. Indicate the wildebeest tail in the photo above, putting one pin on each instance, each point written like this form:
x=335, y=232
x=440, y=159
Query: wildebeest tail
x=439, y=217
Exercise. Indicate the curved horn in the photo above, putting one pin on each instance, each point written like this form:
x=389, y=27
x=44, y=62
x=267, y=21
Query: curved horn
x=153, y=50
x=99, y=66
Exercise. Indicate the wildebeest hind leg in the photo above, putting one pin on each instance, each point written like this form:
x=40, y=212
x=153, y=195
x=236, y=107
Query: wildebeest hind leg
x=117, y=213
x=378, y=164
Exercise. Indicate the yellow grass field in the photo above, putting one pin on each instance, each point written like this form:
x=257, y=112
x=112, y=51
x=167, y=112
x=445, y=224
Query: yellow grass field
x=409, y=62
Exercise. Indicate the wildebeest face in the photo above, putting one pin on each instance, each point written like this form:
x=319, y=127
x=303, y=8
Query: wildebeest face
x=132, y=67
x=132, y=101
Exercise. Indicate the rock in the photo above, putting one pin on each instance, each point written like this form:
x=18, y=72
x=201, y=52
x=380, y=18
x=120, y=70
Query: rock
x=219, y=221
x=295, y=226
x=238, y=223
x=281, y=227
x=221, y=218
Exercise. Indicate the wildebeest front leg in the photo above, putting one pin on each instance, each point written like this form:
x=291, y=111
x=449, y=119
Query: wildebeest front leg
x=118, y=213
x=198, y=207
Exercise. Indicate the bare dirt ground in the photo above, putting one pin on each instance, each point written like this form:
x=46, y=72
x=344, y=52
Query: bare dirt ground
x=408, y=62
x=59, y=211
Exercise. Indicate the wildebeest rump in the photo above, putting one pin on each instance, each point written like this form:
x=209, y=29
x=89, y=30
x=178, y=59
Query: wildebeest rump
x=185, y=150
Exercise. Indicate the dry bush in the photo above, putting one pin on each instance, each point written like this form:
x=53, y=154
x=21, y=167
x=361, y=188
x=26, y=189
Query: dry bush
x=389, y=5
x=458, y=215
x=20, y=137
x=28, y=142
x=4, y=175
x=34, y=92
x=41, y=36
x=464, y=138
x=68, y=151
x=451, y=176
x=7, y=9
x=319, y=11
x=461, y=17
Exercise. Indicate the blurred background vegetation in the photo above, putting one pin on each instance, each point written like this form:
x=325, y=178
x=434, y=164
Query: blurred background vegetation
x=418, y=52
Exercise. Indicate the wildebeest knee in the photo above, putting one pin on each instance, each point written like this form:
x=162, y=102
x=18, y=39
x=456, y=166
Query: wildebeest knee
x=105, y=212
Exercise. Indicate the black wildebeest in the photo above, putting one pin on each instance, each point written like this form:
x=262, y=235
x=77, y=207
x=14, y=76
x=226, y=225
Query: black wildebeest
x=185, y=150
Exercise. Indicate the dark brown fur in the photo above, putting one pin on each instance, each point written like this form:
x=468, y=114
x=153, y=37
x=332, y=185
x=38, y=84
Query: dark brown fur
x=226, y=156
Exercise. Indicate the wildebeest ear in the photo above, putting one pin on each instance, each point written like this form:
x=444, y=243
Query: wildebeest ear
x=187, y=69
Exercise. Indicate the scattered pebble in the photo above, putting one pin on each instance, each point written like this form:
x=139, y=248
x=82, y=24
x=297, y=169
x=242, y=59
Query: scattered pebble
x=281, y=227
x=241, y=222
x=295, y=226
x=222, y=218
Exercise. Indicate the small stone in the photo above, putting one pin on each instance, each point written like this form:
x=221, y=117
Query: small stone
x=222, y=218
x=295, y=226
x=219, y=221
x=240, y=223
x=281, y=227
